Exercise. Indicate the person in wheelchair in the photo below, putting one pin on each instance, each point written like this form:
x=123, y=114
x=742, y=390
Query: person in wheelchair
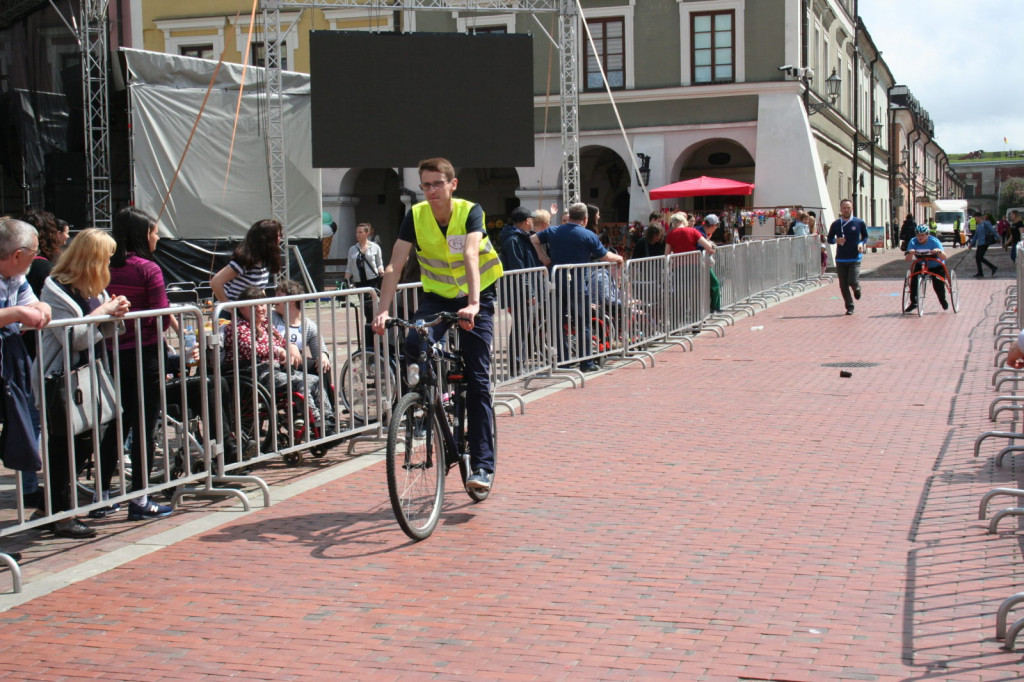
x=253, y=336
x=302, y=333
x=924, y=252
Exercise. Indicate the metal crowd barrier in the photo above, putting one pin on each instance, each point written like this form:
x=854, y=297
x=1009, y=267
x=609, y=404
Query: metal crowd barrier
x=283, y=409
x=219, y=418
x=75, y=468
x=1006, y=329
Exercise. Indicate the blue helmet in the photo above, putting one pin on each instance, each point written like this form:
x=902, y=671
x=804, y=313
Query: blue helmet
x=921, y=229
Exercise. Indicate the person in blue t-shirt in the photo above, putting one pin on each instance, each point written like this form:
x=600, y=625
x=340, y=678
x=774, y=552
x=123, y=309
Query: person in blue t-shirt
x=850, y=234
x=572, y=243
x=925, y=252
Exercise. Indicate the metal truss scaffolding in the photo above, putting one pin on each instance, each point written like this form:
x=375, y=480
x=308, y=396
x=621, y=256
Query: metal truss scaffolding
x=92, y=38
x=568, y=49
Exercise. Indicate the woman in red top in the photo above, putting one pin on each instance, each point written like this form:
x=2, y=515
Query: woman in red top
x=134, y=275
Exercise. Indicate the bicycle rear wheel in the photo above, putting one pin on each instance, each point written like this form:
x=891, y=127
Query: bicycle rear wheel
x=954, y=291
x=416, y=466
x=359, y=384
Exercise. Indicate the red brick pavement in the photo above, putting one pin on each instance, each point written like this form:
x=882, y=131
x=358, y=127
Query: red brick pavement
x=736, y=512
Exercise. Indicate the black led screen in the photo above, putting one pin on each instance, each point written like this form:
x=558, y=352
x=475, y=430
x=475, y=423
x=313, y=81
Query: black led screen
x=384, y=100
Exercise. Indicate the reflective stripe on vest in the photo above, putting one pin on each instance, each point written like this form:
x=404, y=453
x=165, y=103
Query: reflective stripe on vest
x=442, y=257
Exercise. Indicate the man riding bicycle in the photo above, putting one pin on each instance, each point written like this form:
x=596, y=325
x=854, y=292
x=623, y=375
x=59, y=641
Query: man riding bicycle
x=459, y=269
x=926, y=252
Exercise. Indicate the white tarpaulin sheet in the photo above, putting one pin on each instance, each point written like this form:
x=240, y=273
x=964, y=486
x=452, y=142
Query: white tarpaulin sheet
x=167, y=92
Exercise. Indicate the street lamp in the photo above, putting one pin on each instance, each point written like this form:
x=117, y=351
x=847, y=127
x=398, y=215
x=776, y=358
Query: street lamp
x=644, y=174
x=876, y=134
x=832, y=84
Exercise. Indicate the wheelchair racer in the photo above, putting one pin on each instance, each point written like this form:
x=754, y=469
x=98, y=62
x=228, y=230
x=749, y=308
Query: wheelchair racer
x=924, y=251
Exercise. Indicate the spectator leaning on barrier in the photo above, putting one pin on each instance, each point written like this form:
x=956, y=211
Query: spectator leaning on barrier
x=19, y=309
x=135, y=276
x=571, y=243
x=800, y=228
x=850, y=234
x=252, y=262
x=683, y=239
x=517, y=253
x=77, y=288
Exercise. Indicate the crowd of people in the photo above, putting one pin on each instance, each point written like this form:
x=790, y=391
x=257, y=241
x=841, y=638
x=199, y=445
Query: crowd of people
x=47, y=277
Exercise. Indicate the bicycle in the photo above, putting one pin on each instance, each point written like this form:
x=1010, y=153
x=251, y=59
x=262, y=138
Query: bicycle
x=427, y=433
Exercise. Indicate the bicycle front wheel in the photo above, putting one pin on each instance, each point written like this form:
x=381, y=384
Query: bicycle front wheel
x=416, y=466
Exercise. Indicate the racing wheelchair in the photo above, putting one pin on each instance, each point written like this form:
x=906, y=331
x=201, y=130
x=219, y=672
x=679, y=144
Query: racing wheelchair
x=925, y=267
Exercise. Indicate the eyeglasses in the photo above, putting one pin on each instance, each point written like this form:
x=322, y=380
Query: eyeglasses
x=428, y=186
x=32, y=252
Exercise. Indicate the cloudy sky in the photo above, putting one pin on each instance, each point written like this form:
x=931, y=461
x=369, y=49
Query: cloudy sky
x=963, y=60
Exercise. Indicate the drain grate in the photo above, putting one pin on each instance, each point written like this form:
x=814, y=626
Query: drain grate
x=853, y=363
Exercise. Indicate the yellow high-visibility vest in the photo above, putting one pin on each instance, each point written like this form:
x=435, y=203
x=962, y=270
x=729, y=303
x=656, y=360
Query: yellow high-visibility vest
x=442, y=256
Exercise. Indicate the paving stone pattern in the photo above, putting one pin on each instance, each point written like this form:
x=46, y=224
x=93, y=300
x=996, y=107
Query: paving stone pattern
x=738, y=512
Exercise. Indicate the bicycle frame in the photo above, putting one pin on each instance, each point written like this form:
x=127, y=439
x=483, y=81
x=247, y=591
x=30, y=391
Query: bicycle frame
x=433, y=356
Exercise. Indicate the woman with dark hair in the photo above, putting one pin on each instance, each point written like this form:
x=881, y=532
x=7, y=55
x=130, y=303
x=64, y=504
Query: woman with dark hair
x=135, y=276
x=652, y=243
x=593, y=218
x=53, y=235
x=252, y=263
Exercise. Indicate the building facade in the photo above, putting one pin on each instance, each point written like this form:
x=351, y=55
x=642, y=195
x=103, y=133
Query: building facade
x=790, y=95
x=983, y=180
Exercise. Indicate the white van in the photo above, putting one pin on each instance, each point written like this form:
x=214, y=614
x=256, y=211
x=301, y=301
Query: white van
x=947, y=213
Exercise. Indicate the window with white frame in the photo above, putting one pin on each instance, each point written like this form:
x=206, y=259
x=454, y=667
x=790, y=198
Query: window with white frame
x=202, y=51
x=486, y=23
x=359, y=20
x=258, y=53
x=609, y=40
x=615, y=47
x=714, y=56
x=712, y=48
x=205, y=32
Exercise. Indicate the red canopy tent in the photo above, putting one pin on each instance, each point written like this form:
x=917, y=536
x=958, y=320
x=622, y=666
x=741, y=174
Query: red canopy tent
x=702, y=187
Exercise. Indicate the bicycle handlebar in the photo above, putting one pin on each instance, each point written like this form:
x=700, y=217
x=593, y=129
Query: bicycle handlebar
x=422, y=324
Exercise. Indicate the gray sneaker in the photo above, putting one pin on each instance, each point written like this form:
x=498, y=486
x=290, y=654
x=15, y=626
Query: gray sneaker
x=481, y=480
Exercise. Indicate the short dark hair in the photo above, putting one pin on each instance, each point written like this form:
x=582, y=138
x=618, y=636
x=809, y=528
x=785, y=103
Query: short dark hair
x=438, y=165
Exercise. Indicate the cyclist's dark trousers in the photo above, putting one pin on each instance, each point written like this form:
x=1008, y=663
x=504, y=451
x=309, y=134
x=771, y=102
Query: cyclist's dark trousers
x=475, y=346
x=937, y=284
x=979, y=258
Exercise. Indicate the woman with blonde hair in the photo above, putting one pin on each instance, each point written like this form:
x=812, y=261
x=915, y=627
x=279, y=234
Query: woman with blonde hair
x=77, y=288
